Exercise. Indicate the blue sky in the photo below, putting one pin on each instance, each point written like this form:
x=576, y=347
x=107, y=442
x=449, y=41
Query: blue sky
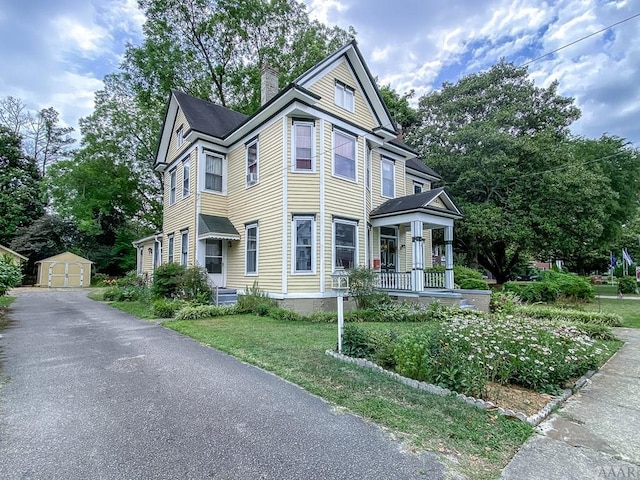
x=58, y=52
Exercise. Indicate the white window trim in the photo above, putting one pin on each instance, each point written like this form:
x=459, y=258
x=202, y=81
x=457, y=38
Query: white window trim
x=171, y=248
x=180, y=137
x=294, y=149
x=246, y=163
x=384, y=161
x=417, y=184
x=333, y=241
x=355, y=154
x=203, y=174
x=184, y=261
x=294, y=245
x=339, y=96
x=173, y=186
x=186, y=167
x=246, y=248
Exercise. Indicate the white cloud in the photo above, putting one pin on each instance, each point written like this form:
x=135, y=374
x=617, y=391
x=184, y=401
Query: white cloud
x=88, y=39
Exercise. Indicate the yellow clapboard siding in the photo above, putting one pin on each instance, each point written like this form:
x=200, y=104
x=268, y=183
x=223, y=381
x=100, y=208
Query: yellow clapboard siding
x=325, y=88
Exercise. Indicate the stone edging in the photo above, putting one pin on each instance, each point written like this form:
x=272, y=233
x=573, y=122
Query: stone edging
x=532, y=420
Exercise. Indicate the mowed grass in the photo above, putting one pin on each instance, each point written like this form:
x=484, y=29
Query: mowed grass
x=629, y=310
x=478, y=444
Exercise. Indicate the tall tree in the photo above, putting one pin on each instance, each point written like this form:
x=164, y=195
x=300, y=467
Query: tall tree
x=503, y=148
x=20, y=187
x=401, y=111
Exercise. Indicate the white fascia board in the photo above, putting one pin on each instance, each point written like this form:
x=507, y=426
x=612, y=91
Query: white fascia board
x=404, y=218
x=167, y=131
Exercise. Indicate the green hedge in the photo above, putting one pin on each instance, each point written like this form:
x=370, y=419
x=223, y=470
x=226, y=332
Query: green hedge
x=551, y=313
x=205, y=311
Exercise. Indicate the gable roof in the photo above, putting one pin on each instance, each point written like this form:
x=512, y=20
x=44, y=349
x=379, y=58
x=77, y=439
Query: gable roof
x=207, y=117
x=419, y=201
x=7, y=250
x=65, y=257
x=416, y=164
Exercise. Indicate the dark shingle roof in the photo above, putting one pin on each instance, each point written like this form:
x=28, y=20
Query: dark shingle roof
x=211, y=224
x=408, y=203
x=207, y=117
x=416, y=164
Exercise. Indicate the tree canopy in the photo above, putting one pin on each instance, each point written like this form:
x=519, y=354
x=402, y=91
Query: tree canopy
x=528, y=188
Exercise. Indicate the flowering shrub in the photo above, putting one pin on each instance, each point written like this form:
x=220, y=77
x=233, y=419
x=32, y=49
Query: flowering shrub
x=504, y=302
x=464, y=353
x=10, y=275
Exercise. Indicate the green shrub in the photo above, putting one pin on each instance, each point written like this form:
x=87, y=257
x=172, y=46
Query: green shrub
x=194, y=285
x=284, y=314
x=167, y=280
x=205, y=311
x=10, y=275
x=627, y=285
x=362, y=287
x=382, y=344
x=99, y=280
x=111, y=294
x=543, y=312
x=534, y=292
x=255, y=301
x=128, y=293
x=569, y=285
x=322, y=317
x=473, y=284
x=167, y=308
x=503, y=303
x=355, y=342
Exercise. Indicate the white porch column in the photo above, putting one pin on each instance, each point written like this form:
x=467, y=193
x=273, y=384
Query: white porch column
x=448, y=243
x=417, y=272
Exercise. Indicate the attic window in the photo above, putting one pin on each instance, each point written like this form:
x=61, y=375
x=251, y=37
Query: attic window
x=344, y=95
x=180, y=137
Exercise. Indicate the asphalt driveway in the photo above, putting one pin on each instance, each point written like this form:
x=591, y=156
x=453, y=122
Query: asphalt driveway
x=89, y=392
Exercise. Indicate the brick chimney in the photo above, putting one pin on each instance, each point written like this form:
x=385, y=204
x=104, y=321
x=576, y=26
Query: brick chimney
x=268, y=83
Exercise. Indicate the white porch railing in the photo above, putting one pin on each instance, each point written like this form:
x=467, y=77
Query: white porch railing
x=434, y=280
x=394, y=281
x=402, y=281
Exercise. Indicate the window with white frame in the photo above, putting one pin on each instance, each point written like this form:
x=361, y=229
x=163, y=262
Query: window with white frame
x=213, y=173
x=170, y=246
x=185, y=178
x=184, y=247
x=180, y=137
x=417, y=187
x=345, y=243
x=251, y=249
x=344, y=96
x=344, y=155
x=172, y=187
x=303, y=244
x=388, y=178
x=252, y=163
x=303, y=146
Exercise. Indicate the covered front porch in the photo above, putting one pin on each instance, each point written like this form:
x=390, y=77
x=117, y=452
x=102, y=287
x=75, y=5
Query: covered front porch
x=401, y=241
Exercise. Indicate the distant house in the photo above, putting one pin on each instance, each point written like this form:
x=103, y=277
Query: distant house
x=16, y=258
x=315, y=179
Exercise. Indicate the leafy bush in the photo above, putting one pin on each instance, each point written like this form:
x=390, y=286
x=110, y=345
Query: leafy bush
x=255, y=301
x=194, y=285
x=534, y=292
x=355, y=342
x=503, y=303
x=542, y=312
x=569, y=285
x=167, y=280
x=383, y=344
x=205, y=311
x=284, y=314
x=322, y=317
x=99, y=280
x=166, y=308
x=627, y=285
x=473, y=284
x=132, y=279
x=10, y=275
x=362, y=287
x=126, y=294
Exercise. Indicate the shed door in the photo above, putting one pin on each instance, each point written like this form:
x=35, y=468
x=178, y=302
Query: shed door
x=65, y=274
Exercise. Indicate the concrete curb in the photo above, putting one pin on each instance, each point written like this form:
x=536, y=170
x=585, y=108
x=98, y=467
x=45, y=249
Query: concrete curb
x=533, y=420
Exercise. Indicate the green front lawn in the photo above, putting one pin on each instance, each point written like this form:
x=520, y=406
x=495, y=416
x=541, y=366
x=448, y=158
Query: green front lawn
x=480, y=442
x=629, y=310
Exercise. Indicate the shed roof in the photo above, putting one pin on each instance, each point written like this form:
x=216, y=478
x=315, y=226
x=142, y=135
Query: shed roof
x=4, y=249
x=65, y=257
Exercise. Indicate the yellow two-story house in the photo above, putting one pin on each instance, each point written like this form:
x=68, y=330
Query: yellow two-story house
x=315, y=179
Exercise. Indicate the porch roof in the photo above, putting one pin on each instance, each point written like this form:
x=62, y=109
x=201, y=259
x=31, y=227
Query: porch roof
x=435, y=202
x=211, y=226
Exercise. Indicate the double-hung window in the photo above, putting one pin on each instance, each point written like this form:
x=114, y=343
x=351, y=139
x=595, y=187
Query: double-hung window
x=344, y=155
x=417, y=187
x=213, y=173
x=179, y=137
x=172, y=187
x=184, y=247
x=185, y=178
x=303, y=244
x=303, y=146
x=388, y=178
x=251, y=249
x=344, y=95
x=345, y=243
x=170, y=247
x=252, y=163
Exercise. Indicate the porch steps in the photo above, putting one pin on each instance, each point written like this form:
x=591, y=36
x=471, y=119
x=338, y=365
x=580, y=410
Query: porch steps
x=227, y=296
